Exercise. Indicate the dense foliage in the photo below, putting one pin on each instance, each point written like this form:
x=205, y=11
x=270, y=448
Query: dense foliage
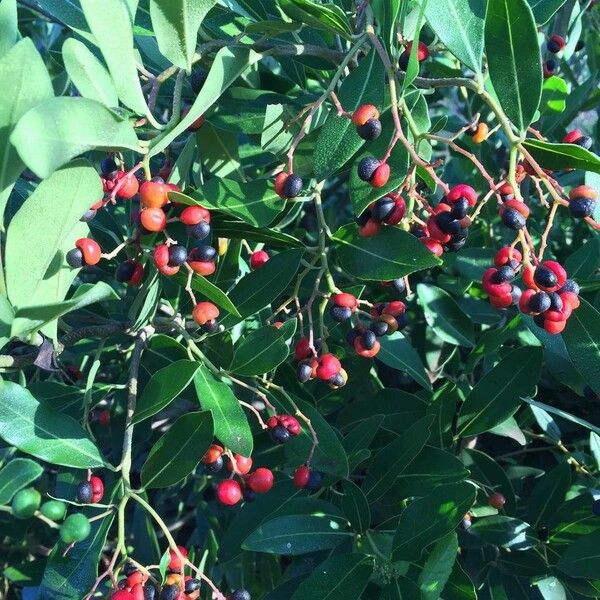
x=299, y=299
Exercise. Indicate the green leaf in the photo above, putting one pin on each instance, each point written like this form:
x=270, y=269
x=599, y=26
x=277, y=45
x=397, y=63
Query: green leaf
x=582, y=339
x=438, y=567
x=355, y=506
x=341, y=577
x=338, y=140
x=37, y=429
x=544, y=9
x=259, y=288
x=227, y=65
x=563, y=156
x=238, y=230
x=320, y=16
x=31, y=318
x=26, y=84
x=386, y=14
x=573, y=520
x=397, y=352
x=88, y=74
x=497, y=395
x=362, y=193
x=445, y=317
x=548, y=495
x=164, y=386
x=60, y=129
x=209, y=290
x=392, y=460
x=219, y=152
x=72, y=574
x=390, y=254
x=231, y=425
x=176, y=24
x=177, y=452
x=430, y=518
x=259, y=352
x=506, y=532
x=297, y=534
x=16, y=475
x=276, y=135
x=254, y=202
x=564, y=414
x=9, y=32
x=459, y=24
x=514, y=59
x=554, y=95
x=111, y=24
x=584, y=262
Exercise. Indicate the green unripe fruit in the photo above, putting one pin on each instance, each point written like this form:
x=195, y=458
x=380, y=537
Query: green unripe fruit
x=75, y=528
x=25, y=503
x=53, y=509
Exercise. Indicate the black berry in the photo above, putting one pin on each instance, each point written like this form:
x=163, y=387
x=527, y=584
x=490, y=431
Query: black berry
x=108, y=166
x=177, y=255
x=399, y=285
x=216, y=465
x=582, y=207
x=340, y=313
x=203, y=254
x=292, y=186
x=124, y=271
x=199, y=231
x=304, y=372
x=371, y=130
x=192, y=585
x=513, y=219
x=367, y=167
x=368, y=340
x=447, y=223
x=545, y=277
x=503, y=274
x=539, y=302
x=382, y=208
x=570, y=286
x=75, y=258
x=315, y=480
x=85, y=492
x=379, y=328
x=240, y=595
x=460, y=208
x=170, y=592
x=585, y=142
x=88, y=215
x=280, y=434
x=556, y=302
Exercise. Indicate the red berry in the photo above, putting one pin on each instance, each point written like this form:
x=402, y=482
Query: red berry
x=422, y=51
x=175, y=563
x=243, y=464
x=370, y=228
x=280, y=180
x=432, y=245
x=204, y=312
x=328, y=367
x=203, y=267
x=192, y=215
x=345, y=300
x=366, y=352
x=302, y=349
x=134, y=578
x=380, y=176
x=153, y=219
x=398, y=212
x=463, y=191
x=258, y=259
x=154, y=194
x=213, y=453
x=90, y=250
x=394, y=308
x=97, y=488
x=301, y=476
x=583, y=191
x=497, y=500
x=128, y=185
x=121, y=595
x=261, y=481
x=137, y=592
x=505, y=255
x=229, y=492
x=554, y=327
x=364, y=113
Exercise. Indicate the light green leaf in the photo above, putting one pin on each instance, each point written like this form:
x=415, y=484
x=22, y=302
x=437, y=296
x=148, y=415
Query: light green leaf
x=60, y=129
x=438, y=567
x=322, y=16
x=9, y=33
x=88, y=74
x=563, y=156
x=176, y=24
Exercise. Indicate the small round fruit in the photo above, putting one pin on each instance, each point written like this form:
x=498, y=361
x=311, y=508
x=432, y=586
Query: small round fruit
x=204, y=312
x=371, y=130
x=128, y=185
x=97, y=488
x=243, y=464
x=153, y=219
x=84, y=492
x=328, y=366
x=154, y=194
x=108, y=166
x=301, y=476
x=340, y=313
x=175, y=563
x=191, y=585
x=75, y=528
x=381, y=175
x=258, y=259
x=200, y=231
x=304, y=371
x=496, y=500
x=25, y=503
x=240, y=595
x=280, y=434
x=170, y=592
x=261, y=481
x=513, y=219
x=229, y=492
x=364, y=113
x=177, y=255
x=292, y=186
x=314, y=481
x=582, y=207
x=367, y=167
x=54, y=509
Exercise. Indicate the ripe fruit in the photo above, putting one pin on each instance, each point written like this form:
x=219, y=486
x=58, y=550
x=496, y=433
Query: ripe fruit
x=550, y=276
x=497, y=500
x=366, y=119
x=201, y=260
x=175, y=563
x=229, y=492
x=292, y=186
x=25, y=503
x=577, y=137
x=161, y=259
x=84, y=492
x=121, y=595
x=555, y=44
x=54, y=509
x=130, y=272
x=86, y=252
x=75, y=528
x=108, y=166
x=243, y=464
x=261, y=481
x=282, y=427
x=582, y=201
x=479, y=133
x=204, y=313
x=154, y=193
x=153, y=219
x=549, y=68
x=328, y=366
x=422, y=54
x=128, y=185
x=258, y=259
x=97, y=488
x=301, y=476
x=514, y=214
x=367, y=167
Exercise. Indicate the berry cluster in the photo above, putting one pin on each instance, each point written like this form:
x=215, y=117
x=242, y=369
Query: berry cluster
x=513, y=212
x=388, y=210
x=366, y=119
x=283, y=427
x=326, y=367
x=497, y=280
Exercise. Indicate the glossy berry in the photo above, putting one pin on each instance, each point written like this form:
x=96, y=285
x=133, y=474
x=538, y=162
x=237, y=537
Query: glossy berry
x=304, y=371
x=192, y=585
x=204, y=312
x=84, y=492
x=292, y=186
x=240, y=595
x=97, y=488
x=462, y=190
x=229, y=492
x=371, y=130
x=555, y=44
x=258, y=259
x=128, y=185
x=302, y=349
x=481, y=133
x=496, y=500
x=379, y=328
x=338, y=380
x=513, y=219
x=170, y=592
x=213, y=453
x=364, y=113
x=381, y=175
x=315, y=481
x=345, y=300
x=301, y=476
x=261, y=481
x=340, y=313
x=367, y=167
x=75, y=528
x=570, y=286
x=54, y=509
x=328, y=366
x=216, y=465
x=130, y=271
x=202, y=254
x=549, y=68
x=88, y=215
x=460, y=208
x=175, y=563
x=108, y=166
x=280, y=434
x=383, y=208
x=25, y=503
x=582, y=207
x=539, y=302
x=86, y=252
x=550, y=276
x=503, y=274
x=154, y=193
x=243, y=464
x=192, y=215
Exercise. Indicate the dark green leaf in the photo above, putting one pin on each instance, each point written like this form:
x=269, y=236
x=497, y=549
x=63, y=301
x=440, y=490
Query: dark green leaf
x=394, y=458
x=164, y=386
x=548, y=495
x=562, y=156
x=297, y=534
x=9, y=32
x=544, y=9
x=514, y=59
x=16, y=475
x=37, y=429
x=573, y=520
x=338, y=141
x=390, y=254
x=231, y=425
x=397, y=352
x=341, y=577
x=329, y=16
x=430, y=518
x=497, y=395
x=445, y=317
x=459, y=24
x=438, y=567
x=355, y=506
x=259, y=352
x=176, y=453
x=505, y=532
x=239, y=230
x=209, y=290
